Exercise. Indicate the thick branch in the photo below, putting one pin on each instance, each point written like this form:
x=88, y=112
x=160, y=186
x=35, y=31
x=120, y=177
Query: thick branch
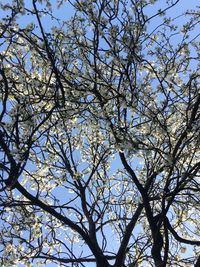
x=178, y=238
x=122, y=250
x=35, y=201
x=132, y=173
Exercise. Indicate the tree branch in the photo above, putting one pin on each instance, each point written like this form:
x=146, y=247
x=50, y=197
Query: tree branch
x=178, y=238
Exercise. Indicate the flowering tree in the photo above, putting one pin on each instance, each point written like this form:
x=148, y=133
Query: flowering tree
x=99, y=134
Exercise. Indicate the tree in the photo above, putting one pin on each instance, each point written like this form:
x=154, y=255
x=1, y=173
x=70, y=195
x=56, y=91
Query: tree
x=99, y=134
